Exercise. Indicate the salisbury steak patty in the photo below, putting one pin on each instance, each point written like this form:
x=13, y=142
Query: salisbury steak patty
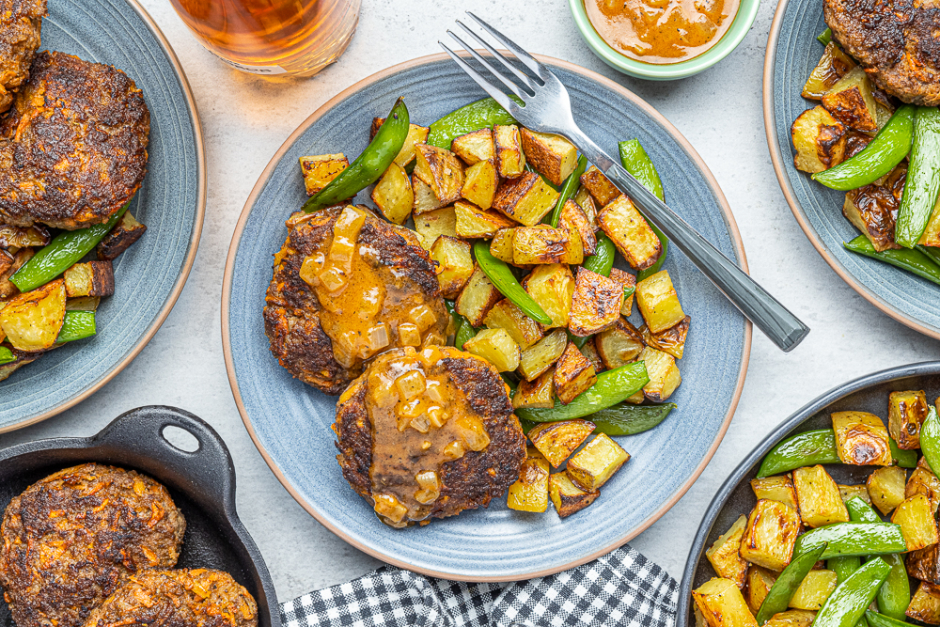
x=20, y=26
x=428, y=434
x=896, y=41
x=331, y=307
x=70, y=539
x=73, y=150
x=177, y=598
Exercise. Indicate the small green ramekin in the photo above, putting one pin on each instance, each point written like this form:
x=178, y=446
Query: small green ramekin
x=743, y=20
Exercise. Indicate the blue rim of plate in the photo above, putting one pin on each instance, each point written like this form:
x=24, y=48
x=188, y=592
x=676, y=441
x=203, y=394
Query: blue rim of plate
x=249, y=350
x=114, y=357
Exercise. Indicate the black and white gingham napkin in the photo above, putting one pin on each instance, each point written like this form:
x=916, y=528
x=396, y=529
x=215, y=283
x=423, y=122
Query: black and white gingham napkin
x=622, y=589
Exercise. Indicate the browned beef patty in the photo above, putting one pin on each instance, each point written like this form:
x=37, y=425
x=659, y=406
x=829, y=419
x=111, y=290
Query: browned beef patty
x=896, y=41
x=70, y=539
x=177, y=598
x=20, y=26
x=73, y=150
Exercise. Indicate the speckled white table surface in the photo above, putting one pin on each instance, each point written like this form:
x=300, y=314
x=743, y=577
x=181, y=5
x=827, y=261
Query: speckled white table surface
x=245, y=120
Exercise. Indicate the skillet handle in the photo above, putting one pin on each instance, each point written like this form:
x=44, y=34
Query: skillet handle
x=138, y=434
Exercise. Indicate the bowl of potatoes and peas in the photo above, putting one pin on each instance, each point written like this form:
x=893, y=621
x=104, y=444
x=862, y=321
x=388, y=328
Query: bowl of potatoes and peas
x=524, y=235
x=832, y=521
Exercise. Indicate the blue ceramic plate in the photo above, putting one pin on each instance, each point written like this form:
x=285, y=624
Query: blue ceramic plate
x=151, y=274
x=792, y=53
x=290, y=421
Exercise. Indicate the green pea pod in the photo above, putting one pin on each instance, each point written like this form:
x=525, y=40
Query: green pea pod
x=371, y=164
x=880, y=156
x=930, y=439
x=505, y=281
x=612, y=387
x=77, y=325
x=630, y=419
x=911, y=260
x=931, y=251
x=825, y=37
x=66, y=249
x=527, y=425
x=894, y=595
x=922, y=185
x=880, y=620
x=568, y=190
x=860, y=511
x=904, y=459
x=465, y=333
x=578, y=341
x=6, y=355
x=844, y=566
x=803, y=449
x=848, y=602
x=634, y=160
x=778, y=597
x=850, y=538
x=603, y=260
x=477, y=115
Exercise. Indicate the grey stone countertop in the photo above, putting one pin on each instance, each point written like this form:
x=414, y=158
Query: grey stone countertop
x=246, y=119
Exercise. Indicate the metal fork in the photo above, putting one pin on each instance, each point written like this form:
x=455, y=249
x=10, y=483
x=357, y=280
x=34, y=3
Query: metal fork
x=547, y=108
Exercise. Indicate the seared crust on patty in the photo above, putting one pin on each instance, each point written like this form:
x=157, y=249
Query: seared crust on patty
x=70, y=539
x=20, y=27
x=896, y=41
x=73, y=150
x=177, y=598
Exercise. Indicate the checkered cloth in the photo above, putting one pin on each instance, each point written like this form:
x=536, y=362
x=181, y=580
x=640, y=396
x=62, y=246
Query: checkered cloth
x=622, y=588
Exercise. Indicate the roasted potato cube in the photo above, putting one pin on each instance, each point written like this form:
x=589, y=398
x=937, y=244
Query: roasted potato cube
x=814, y=590
x=770, y=536
x=542, y=355
x=658, y=302
x=495, y=346
x=552, y=156
x=530, y=492
x=589, y=350
x=906, y=413
x=588, y=206
x=925, y=564
x=819, y=140
x=521, y=328
x=595, y=305
x=552, y=287
x=599, y=186
x=416, y=135
x=915, y=516
x=536, y=394
x=721, y=603
x=923, y=481
x=510, y=159
x=475, y=147
x=83, y=303
x=567, y=497
x=759, y=582
x=454, y=264
x=925, y=606
x=851, y=491
x=851, y=102
x=671, y=340
x=861, y=439
x=477, y=298
x=15, y=237
x=629, y=283
x=473, y=222
x=573, y=219
x=31, y=321
x=481, y=181
x=556, y=441
x=833, y=65
x=124, y=235
x=886, y=488
x=433, y=224
x=724, y=554
x=441, y=170
x=663, y=374
x=596, y=463
x=425, y=199
x=393, y=195
x=94, y=278
x=319, y=170
x=777, y=488
x=873, y=210
x=818, y=497
x=792, y=618
x=7, y=289
x=526, y=198
x=573, y=374
x=542, y=244
x=619, y=345
x=630, y=233
x=501, y=244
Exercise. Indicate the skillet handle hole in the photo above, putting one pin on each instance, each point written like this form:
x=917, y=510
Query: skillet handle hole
x=180, y=439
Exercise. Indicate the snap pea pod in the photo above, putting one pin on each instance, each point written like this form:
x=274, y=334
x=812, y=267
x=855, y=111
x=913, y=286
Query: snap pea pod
x=803, y=449
x=880, y=620
x=477, y=115
x=848, y=602
x=630, y=419
x=930, y=439
x=860, y=511
x=904, y=459
x=503, y=279
x=778, y=597
x=825, y=37
x=634, y=160
x=843, y=567
x=465, y=333
x=603, y=260
x=66, y=249
x=77, y=325
x=6, y=355
x=894, y=595
x=568, y=189
x=931, y=251
x=880, y=156
x=612, y=387
x=911, y=260
x=850, y=538
x=922, y=185
x=578, y=341
x=371, y=164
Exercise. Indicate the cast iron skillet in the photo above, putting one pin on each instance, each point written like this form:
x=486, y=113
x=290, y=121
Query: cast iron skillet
x=869, y=393
x=202, y=484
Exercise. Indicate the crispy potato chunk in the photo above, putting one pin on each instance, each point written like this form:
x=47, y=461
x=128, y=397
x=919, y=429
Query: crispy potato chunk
x=124, y=235
x=497, y=347
x=595, y=305
x=416, y=135
x=536, y=394
x=526, y=198
x=630, y=233
x=501, y=244
x=454, y=264
x=475, y=147
x=573, y=219
x=777, y=488
x=724, y=554
x=552, y=156
x=759, y=582
x=441, y=170
x=530, y=492
x=925, y=564
x=886, y=488
x=770, y=536
x=588, y=206
x=481, y=181
x=629, y=283
x=433, y=224
x=589, y=350
x=505, y=315
x=393, y=195
x=573, y=374
x=596, y=463
x=32, y=320
x=425, y=199
x=599, y=186
x=923, y=481
x=473, y=222
x=906, y=413
x=819, y=140
x=476, y=299
x=721, y=603
x=567, y=497
x=915, y=516
x=556, y=441
x=510, y=159
x=619, y=345
x=13, y=237
x=93, y=278
x=659, y=303
x=814, y=590
x=925, y=606
x=319, y=170
x=541, y=356
x=851, y=491
x=792, y=618
x=861, y=439
x=7, y=289
x=552, y=287
x=671, y=340
x=833, y=65
x=663, y=374
x=542, y=244
x=851, y=102
x=873, y=209
x=818, y=497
